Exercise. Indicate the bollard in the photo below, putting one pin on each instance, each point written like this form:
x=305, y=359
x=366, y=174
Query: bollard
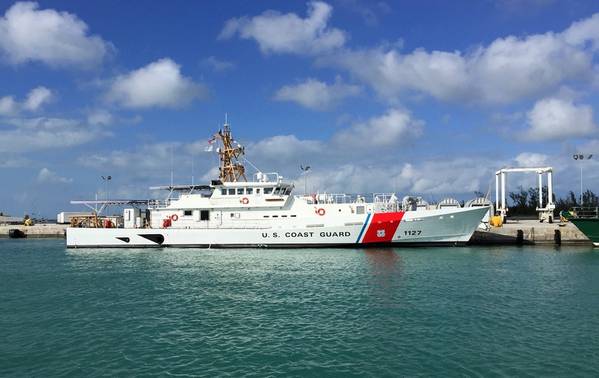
x=557, y=237
x=520, y=237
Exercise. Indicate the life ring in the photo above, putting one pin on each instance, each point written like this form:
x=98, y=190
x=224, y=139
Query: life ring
x=174, y=217
x=320, y=211
x=166, y=223
x=244, y=200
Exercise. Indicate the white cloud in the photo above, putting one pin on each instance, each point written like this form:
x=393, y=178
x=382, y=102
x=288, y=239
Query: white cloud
x=554, y=118
x=48, y=176
x=218, y=65
x=33, y=134
x=100, y=117
x=289, y=33
x=383, y=131
x=8, y=106
x=37, y=98
x=55, y=38
x=506, y=70
x=317, y=95
x=531, y=159
x=159, y=84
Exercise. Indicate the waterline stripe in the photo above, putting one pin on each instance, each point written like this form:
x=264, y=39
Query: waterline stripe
x=363, y=228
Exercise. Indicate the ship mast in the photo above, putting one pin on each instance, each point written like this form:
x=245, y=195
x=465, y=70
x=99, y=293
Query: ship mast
x=230, y=169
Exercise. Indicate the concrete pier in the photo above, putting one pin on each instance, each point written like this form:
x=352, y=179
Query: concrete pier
x=516, y=232
x=36, y=231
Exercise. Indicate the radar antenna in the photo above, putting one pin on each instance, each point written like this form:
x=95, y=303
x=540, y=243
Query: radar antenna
x=230, y=169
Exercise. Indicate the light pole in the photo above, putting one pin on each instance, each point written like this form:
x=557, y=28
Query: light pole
x=305, y=173
x=107, y=183
x=581, y=157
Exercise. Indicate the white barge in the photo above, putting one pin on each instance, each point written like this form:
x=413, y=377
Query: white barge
x=263, y=212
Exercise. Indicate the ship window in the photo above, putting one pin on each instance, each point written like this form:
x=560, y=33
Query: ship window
x=204, y=215
x=293, y=216
x=267, y=216
x=231, y=192
x=187, y=213
x=359, y=209
x=267, y=190
x=277, y=190
x=275, y=216
x=223, y=192
x=239, y=190
x=288, y=191
x=249, y=190
x=283, y=216
x=257, y=190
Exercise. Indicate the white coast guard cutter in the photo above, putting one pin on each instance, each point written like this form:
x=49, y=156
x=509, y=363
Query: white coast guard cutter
x=263, y=212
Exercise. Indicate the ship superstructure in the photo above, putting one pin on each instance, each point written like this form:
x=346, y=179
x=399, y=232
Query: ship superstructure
x=233, y=211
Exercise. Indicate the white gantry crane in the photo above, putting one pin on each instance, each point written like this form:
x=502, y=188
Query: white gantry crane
x=546, y=212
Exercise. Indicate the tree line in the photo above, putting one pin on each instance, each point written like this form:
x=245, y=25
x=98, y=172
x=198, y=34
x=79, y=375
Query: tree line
x=525, y=201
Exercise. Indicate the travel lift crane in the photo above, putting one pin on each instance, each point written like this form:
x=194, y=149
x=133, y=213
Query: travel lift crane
x=545, y=213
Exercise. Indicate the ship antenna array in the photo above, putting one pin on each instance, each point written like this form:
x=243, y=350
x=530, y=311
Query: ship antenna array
x=230, y=169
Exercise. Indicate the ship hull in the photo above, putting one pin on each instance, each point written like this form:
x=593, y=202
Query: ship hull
x=436, y=227
x=589, y=227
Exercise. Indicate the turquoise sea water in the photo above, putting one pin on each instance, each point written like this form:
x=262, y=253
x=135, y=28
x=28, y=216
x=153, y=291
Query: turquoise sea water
x=331, y=312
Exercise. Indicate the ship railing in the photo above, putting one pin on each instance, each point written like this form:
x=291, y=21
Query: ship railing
x=586, y=212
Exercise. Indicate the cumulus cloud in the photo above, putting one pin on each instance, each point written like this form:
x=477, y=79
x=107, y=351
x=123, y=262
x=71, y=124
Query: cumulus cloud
x=554, y=118
x=382, y=131
x=289, y=33
x=48, y=36
x=36, y=98
x=47, y=176
x=8, y=106
x=33, y=134
x=506, y=70
x=315, y=94
x=531, y=159
x=218, y=65
x=159, y=84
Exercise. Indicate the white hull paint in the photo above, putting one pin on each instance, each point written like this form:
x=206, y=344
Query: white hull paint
x=443, y=226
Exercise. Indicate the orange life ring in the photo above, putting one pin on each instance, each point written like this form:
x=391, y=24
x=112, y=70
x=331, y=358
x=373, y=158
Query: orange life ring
x=244, y=200
x=320, y=211
x=174, y=217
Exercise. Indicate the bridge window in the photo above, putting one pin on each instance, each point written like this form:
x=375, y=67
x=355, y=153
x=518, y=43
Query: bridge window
x=239, y=190
x=223, y=192
x=204, y=215
x=267, y=190
x=231, y=192
x=187, y=213
x=277, y=191
x=288, y=191
x=249, y=190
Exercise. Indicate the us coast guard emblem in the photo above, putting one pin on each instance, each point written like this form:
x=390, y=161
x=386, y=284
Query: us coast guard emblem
x=380, y=233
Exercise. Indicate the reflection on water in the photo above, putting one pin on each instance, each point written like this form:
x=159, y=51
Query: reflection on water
x=384, y=261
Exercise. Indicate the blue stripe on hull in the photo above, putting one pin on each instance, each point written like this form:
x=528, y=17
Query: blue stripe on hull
x=363, y=228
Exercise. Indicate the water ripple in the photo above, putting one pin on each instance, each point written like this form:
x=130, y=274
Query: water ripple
x=379, y=312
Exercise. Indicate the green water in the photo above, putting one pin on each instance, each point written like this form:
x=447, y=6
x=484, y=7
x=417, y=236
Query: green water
x=332, y=312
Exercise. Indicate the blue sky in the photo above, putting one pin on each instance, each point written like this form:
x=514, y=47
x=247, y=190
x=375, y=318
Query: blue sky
x=426, y=98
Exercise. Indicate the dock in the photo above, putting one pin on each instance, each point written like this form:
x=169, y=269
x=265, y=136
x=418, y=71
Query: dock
x=528, y=232
x=43, y=230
